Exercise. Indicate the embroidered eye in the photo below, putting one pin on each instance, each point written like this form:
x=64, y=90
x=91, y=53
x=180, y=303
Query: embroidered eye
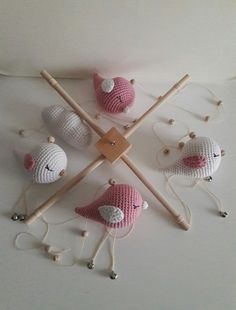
x=135, y=207
x=215, y=155
x=48, y=168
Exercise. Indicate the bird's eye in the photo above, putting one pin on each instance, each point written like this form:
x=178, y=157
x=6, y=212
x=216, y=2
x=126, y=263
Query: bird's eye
x=135, y=207
x=216, y=155
x=47, y=167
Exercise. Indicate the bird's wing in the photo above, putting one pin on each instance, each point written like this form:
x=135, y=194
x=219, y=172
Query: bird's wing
x=111, y=214
x=196, y=161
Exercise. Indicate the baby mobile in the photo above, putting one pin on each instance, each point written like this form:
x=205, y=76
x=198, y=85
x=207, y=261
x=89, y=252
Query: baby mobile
x=121, y=204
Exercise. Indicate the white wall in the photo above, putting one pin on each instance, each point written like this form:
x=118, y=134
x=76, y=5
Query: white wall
x=150, y=40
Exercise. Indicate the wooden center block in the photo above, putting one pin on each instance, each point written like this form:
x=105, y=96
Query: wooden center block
x=113, y=145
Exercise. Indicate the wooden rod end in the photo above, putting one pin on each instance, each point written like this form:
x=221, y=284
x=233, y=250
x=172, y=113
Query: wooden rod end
x=181, y=221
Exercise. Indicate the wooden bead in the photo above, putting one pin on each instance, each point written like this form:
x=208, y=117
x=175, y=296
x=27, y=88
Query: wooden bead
x=166, y=151
x=171, y=121
x=47, y=248
x=51, y=139
x=206, y=118
x=97, y=116
x=21, y=132
x=181, y=145
x=62, y=172
x=192, y=135
x=56, y=257
x=84, y=233
x=132, y=81
x=112, y=181
x=126, y=126
x=222, y=152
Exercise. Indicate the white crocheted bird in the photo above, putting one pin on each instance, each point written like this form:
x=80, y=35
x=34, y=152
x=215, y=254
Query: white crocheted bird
x=67, y=125
x=46, y=163
x=200, y=158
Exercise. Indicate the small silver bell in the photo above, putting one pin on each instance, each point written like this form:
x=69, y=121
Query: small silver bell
x=15, y=217
x=113, y=275
x=223, y=213
x=208, y=179
x=90, y=265
x=21, y=217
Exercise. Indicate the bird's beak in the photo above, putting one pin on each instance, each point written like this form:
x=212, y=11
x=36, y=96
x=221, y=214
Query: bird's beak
x=145, y=205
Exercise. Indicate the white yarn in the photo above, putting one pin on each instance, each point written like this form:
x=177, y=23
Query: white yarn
x=67, y=125
x=199, y=146
x=48, y=155
x=107, y=85
x=111, y=214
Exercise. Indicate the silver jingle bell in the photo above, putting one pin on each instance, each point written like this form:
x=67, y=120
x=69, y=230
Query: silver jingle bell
x=15, y=217
x=223, y=213
x=208, y=179
x=21, y=217
x=90, y=265
x=113, y=275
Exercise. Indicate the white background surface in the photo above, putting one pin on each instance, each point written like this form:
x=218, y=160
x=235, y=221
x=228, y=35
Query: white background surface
x=156, y=42
x=160, y=265
x=154, y=39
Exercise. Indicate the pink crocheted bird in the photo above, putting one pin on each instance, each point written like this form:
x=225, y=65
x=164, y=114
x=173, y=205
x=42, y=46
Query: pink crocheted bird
x=119, y=206
x=114, y=95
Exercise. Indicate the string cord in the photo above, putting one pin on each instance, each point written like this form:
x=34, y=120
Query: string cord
x=113, y=252
x=181, y=137
x=31, y=131
x=121, y=121
x=214, y=117
x=219, y=106
x=123, y=236
x=99, y=245
x=23, y=196
x=216, y=199
x=187, y=211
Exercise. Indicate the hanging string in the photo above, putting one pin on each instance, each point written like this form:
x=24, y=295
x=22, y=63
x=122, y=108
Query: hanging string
x=99, y=246
x=30, y=131
x=206, y=118
x=84, y=235
x=40, y=241
x=21, y=216
x=187, y=211
x=113, y=252
x=166, y=147
x=123, y=236
x=147, y=92
x=217, y=201
x=218, y=104
x=121, y=121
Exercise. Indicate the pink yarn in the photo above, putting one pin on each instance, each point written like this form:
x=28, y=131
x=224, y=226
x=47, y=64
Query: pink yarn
x=118, y=99
x=196, y=161
x=29, y=162
x=124, y=197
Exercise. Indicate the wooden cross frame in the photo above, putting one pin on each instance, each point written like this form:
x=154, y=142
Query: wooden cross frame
x=112, y=146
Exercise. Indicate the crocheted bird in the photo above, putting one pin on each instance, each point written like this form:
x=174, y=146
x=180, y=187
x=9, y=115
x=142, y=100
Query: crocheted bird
x=46, y=163
x=119, y=206
x=114, y=95
x=200, y=158
x=67, y=125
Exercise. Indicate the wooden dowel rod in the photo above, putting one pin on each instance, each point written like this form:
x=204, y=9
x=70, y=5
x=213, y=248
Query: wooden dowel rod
x=84, y=115
x=55, y=197
x=179, y=219
x=160, y=100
